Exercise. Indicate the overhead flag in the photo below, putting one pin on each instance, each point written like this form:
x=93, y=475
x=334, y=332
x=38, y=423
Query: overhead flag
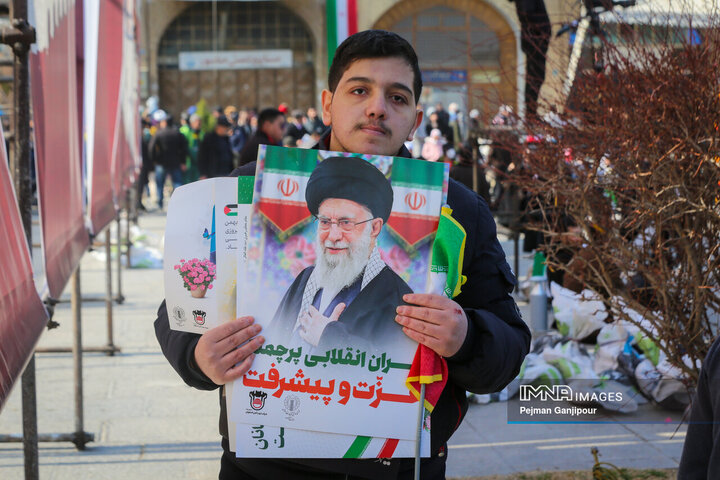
x=341, y=23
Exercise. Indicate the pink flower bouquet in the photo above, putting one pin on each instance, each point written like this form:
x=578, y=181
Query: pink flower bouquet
x=197, y=275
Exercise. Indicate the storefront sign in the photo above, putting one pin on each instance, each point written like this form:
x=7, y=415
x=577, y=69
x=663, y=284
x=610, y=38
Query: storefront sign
x=235, y=60
x=485, y=76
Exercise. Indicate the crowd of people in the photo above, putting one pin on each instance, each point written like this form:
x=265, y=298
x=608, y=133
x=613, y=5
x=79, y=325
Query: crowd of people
x=207, y=144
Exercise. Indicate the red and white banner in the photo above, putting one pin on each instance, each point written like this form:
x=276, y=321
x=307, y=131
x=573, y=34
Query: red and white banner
x=111, y=121
x=103, y=54
x=22, y=315
x=57, y=139
x=126, y=158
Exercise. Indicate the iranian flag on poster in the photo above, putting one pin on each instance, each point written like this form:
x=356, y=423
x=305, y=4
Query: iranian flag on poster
x=282, y=193
x=418, y=197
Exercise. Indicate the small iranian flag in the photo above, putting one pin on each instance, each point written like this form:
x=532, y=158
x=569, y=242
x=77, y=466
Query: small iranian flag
x=282, y=194
x=341, y=23
x=418, y=198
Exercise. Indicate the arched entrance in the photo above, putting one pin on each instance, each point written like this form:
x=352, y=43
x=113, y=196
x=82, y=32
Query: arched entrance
x=244, y=73
x=463, y=59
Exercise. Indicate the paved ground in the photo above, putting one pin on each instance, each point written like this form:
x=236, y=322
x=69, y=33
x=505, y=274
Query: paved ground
x=148, y=424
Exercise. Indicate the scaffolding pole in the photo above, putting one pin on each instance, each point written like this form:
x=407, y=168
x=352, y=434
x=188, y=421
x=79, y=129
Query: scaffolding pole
x=20, y=35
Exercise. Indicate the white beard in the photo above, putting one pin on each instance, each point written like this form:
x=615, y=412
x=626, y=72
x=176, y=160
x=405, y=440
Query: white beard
x=335, y=272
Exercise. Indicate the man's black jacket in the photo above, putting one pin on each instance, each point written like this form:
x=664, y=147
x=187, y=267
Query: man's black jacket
x=701, y=452
x=168, y=148
x=496, y=344
x=215, y=157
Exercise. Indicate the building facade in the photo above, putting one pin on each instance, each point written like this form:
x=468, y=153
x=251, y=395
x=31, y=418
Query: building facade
x=257, y=54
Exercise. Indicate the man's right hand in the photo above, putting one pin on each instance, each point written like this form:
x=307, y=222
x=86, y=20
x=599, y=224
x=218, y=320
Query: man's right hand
x=217, y=353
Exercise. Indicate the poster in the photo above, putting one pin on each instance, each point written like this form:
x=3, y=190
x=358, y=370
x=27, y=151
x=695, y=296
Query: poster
x=348, y=377
x=206, y=222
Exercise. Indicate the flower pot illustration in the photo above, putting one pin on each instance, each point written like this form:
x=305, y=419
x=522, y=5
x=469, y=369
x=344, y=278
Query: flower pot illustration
x=199, y=292
x=197, y=276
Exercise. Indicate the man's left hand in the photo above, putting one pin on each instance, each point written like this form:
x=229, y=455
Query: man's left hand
x=435, y=321
x=313, y=323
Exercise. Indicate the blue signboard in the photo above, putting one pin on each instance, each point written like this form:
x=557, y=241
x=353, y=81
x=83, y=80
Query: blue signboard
x=444, y=76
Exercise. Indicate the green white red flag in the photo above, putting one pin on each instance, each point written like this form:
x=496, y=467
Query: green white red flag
x=418, y=197
x=428, y=367
x=282, y=193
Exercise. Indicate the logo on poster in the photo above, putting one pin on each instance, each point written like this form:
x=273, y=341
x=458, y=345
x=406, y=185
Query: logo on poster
x=179, y=316
x=199, y=317
x=291, y=406
x=415, y=200
x=288, y=187
x=257, y=399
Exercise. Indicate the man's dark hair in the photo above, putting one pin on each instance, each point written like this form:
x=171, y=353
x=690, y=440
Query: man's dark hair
x=373, y=44
x=268, y=115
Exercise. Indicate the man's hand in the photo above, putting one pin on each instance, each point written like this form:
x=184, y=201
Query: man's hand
x=217, y=354
x=313, y=323
x=433, y=320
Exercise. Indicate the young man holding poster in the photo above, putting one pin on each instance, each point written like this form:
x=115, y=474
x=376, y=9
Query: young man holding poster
x=374, y=86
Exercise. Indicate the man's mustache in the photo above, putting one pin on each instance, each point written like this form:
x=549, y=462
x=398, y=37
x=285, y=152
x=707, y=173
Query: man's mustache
x=379, y=125
x=338, y=244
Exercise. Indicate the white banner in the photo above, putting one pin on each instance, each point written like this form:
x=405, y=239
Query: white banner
x=235, y=60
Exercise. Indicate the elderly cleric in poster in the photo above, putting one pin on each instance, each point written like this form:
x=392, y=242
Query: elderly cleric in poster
x=348, y=298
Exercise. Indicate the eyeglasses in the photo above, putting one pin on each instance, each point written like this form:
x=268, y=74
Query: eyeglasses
x=344, y=224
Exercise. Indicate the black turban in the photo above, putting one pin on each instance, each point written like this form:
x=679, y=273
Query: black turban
x=350, y=178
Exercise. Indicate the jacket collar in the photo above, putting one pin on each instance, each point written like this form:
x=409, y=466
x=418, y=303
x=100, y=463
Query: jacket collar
x=324, y=144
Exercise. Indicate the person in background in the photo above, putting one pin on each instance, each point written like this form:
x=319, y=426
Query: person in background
x=294, y=128
x=253, y=124
x=215, y=158
x=168, y=150
x=146, y=162
x=239, y=133
x=434, y=123
x=473, y=130
x=432, y=150
x=218, y=112
x=313, y=121
x=443, y=115
x=193, y=135
x=271, y=123
x=456, y=124
x=462, y=171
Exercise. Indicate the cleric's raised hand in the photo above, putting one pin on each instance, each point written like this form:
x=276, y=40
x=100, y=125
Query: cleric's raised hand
x=433, y=320
x=217, y=353
x=313, y=323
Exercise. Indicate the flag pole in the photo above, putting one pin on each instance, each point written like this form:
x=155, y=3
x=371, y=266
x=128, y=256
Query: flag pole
x=421, y=408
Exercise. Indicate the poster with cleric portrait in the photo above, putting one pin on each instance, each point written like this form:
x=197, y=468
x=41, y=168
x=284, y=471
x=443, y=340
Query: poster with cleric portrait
x=334, y=242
